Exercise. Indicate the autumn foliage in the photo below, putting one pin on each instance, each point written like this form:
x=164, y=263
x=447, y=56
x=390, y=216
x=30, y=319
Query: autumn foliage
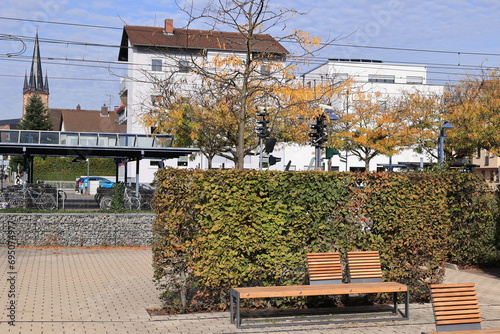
x=220, y=229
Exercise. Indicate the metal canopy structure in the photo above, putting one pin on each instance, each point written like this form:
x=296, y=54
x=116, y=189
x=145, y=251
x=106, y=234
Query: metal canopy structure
x=83, y=145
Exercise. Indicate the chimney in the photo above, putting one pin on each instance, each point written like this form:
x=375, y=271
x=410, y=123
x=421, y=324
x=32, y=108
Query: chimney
x=78, y=107
x=169, y=26
x=104, y=111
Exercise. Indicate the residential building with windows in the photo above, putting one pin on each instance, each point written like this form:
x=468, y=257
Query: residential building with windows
x=487, y=167
x=159, y=57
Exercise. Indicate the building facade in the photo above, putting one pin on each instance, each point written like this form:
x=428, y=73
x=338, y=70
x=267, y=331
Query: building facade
x=168, y=53
x=161, y=57
x=487, y=167
x=383, y=81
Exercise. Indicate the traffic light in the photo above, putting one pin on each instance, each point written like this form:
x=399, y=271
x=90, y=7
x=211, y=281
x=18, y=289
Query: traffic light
x=273, y=160
x=269, y=145
x=262, y=129
x=330, y=152
x=318, y=134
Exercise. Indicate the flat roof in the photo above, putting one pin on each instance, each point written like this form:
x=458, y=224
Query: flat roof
x=87, y=144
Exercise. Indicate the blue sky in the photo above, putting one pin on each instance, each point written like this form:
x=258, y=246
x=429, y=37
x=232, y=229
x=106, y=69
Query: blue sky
x=80, y=74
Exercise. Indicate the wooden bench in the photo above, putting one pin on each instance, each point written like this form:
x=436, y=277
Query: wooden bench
x=456, y=309
x=325, y=277
x=236, y=294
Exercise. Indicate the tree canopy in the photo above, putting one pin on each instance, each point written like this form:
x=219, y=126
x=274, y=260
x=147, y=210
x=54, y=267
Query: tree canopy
x=221, y=109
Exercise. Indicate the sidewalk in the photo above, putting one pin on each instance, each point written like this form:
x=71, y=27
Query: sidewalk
x=76, y=290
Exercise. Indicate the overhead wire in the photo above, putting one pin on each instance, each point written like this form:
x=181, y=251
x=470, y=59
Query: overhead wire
x=317, y=60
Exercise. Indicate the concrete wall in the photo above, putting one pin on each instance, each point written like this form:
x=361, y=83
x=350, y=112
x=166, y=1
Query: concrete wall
x=77, y=229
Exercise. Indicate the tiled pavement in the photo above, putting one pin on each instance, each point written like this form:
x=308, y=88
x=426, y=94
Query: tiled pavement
x=79, y=290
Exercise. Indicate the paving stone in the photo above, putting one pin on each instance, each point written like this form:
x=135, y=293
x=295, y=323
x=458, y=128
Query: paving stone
x=84, y=290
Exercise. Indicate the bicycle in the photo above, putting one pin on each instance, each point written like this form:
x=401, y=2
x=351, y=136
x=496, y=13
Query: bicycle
x=130, y=200
x=37, y=199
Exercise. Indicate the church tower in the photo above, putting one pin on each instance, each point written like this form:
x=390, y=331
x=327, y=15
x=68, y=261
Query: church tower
x=35, y=84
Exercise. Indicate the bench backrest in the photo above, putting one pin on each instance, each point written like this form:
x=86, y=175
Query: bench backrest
x=324, y=268
x=364, y=267
x=455, y=307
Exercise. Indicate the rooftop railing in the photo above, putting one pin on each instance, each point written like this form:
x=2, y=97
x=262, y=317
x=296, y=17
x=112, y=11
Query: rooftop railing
x=62, y=138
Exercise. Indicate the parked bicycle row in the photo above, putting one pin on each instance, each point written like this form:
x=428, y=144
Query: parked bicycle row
x=31, y=196
x=132, y=200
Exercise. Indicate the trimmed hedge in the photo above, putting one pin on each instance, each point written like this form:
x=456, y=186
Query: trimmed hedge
x=218, y=229
x=63, y=169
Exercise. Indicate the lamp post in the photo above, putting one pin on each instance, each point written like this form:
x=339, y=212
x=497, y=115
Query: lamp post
x=446, y=125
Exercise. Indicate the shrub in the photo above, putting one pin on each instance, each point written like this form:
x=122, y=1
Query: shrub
x=218, y=229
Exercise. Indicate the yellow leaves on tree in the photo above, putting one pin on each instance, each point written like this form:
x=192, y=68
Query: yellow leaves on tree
x=473, y=107
x=370, y=126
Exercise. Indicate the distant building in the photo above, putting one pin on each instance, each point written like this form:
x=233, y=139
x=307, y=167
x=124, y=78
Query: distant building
x=388, y=81
x=35, y=84
x=78, y=119
x=487, y=167
x=81, y=120
x=9, y=124
x=168, y=53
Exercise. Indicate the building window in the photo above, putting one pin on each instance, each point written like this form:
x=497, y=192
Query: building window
x=156, y=65
x=487, y=160
x=184, y=66
x=154, y=163
x=339, y=77
x=182, y=161
x=478, y=153
x=414, y=80
x=381, y=78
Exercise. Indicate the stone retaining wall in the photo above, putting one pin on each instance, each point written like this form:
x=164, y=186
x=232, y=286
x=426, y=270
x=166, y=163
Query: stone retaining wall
x=48, y=229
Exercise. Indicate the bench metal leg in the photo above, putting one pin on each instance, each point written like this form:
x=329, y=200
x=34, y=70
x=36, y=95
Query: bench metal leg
x=395, y=297
x=231, y=307
x=238, y=315
x=234, y=308
x=407, y=305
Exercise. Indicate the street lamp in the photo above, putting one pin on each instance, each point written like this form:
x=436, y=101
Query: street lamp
x=446, y=125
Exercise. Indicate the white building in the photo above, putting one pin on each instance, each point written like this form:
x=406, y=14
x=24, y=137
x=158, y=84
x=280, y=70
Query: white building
x=167, y=55
x=370, y=77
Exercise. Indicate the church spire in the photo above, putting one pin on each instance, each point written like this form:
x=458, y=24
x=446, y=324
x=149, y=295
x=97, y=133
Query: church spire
x=36, y=83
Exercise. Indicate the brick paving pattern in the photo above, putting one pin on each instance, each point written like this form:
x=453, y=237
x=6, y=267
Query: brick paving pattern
x=80, y=290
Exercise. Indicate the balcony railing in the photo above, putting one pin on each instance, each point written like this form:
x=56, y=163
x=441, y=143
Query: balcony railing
x=84, y=139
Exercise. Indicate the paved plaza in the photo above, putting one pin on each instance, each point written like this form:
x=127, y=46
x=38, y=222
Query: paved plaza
x=90, y=290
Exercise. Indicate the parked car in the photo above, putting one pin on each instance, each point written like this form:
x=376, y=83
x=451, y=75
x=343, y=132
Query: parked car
x=83, y=182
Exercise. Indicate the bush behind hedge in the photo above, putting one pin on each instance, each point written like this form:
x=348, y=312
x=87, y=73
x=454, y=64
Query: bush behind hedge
x=219, y=229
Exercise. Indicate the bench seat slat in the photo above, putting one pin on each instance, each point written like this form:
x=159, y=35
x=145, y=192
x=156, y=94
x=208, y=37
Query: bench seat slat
x=319, y=290
x=458, y=321
x=456, y=307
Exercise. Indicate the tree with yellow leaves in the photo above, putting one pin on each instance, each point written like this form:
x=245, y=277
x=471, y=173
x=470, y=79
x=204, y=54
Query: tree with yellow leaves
x=233, y=86
x=473, y=107
x=422, y=113
x=372, y=124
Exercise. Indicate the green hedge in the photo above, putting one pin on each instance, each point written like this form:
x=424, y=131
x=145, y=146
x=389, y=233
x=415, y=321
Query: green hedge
x=218, y=229
x=63, y=169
